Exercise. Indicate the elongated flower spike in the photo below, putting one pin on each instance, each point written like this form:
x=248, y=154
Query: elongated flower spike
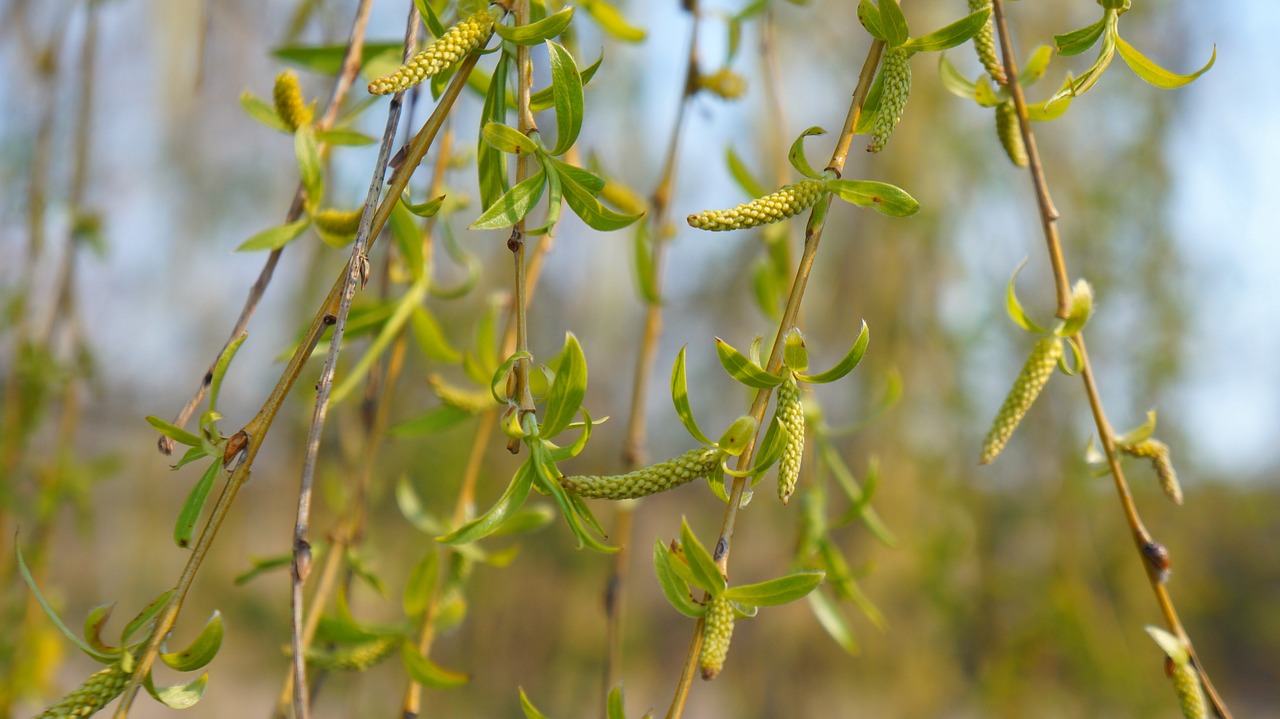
x=786, y=202
x=715, y=636
x=290, y=107
x=1010, y=133
x=1158, y=453
x=456, y=43
x=1179, y=668
x=90, y=697
x=791, y=416
x=655, y=478
x=1035, y=373
x=985, y=44
x=897, y=88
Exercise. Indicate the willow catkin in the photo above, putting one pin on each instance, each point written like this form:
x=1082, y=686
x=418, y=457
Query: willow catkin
x=440, y=55
x=724, y=84
x=655, y=478
x=896, y=89
x=791, y=416
x=1010, y=133
x=786, y=202
x=985, y=44
x=90, y=697
x=354, y=657
x=337, y=222
x=716, y=633
x=1158, y=453
x=1186, y=685
x=287, y=96
x=1035, y=373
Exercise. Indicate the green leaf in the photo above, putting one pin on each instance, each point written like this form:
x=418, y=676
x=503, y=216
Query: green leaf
x=1081, y=309
x=276, y=237
x=93, y=624
x=421, y=583
x=429, y=17
x=879, y=196
x=508, y=139
x=1077, y=41
x=430, y=337
x=555, y=198
x=869, y=16
x=530, y=711
x=747, y=181
x=408, y=239
x=347, y=138
x=528, y=519
x=846, y=364
x=566, y=89
x=612, y=21
x=511, y=207
x=424, y=209
x=1153, y=73
x=893, y=23
x=178, y=696
x=427, y=673
x=680, y=398
x=491, y=164
x=673, y=586
x=144, y=618
x=1138, y=434
x=201, y=651
x=193, y=506
x=948, y=37
x=536, y=32
x=795, y=356
x=615, y=709
x=770, y=451
x=567, y=391
x=262, y=111
x=544, y=99
x=796, y=154
x=30, y=581
x=495, y=516
x=703, y=568
x=573, y=509
x=220, y=369
x=646, y=275
x=1036, y=65
x=433, y=421
x=582, y=200
x=735, y=439
x=327, y=59
x=309, y=169
x=833, y=621
x=387, y=334
x=174, y=432
x=741, y=368
x=1014, y=307
x=776, y=591
x=1074, y=87
x=1169, y=644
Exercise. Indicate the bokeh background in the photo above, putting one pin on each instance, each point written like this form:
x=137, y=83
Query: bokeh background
x=1014, y=590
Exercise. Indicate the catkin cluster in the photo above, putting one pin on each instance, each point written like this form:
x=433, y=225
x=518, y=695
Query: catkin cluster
x=355, y=658
x=896, y=90
x=1158, y=453
x=1035, y=373
x=791, y=416
x=790, y=200
x=89, y=698
x=290, y=107
x=337, y=222
x=985, y=43
x=1186, y=685
x=1010, y=133
x=449, y=48
x=655, y=478
x=715, y=636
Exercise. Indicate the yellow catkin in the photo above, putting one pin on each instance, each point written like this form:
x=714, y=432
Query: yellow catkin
x=337, y=222
x=723, y=83
x=469, y=401
x=90, y=697
x=354, y=658
x=1010, y=133
x=440, y=55
x=1186, y=684
x=790, y=200
x=287, y=94
x=791, y=416
x=1158, y=453
x=985, y=43
x=893, y=99
x=716, y=634
x=650, y=480
x=1035, y=373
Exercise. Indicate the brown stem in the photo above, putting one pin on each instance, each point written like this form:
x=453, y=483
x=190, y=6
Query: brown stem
x=1106, y=435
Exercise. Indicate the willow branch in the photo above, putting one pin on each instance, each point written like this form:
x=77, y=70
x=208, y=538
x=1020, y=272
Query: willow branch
x=1048, y=220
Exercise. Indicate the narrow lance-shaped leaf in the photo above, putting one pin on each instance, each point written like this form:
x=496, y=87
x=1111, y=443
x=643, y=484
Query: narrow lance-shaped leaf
x=846, y=363
x=612, y=21
x=530, y=711
x=582, y=199
x=259, y=110
x=508, y=139
x=201, y=651
x=491, y=165
x=145, y=617
x=614, y=708
x=276, y=237
x=495, y=516
x=30, y=581
x=879, y=196
x=950, y=36
x=426, y=672
x=742, y=175
x=741, y=368
x=893, y=23
x=220, y=369
x=1153, y=73
x=174, y=432
x=1014, y=308
x=673, y=587
x=1077, y=41
x=194, y=504
x=680, y=398
x=308, y=156
x=511, y=207
x=797, y=157
x=178, y=696
x=776, y=591
x=705, y=572
x=93, y=624
x=869, y=16
x=568, y=389
x=536, y=32
x=567, y=90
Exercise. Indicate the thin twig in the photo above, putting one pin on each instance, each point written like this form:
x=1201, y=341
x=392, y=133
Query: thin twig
x=515, y=243
x=1048, y=220
x=813, y=235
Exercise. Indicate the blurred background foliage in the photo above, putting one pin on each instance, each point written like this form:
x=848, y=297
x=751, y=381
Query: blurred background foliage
x=1013, y=591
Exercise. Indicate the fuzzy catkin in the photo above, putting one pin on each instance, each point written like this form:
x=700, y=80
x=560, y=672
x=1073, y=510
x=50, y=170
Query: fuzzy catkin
x=1035, y=373
x=356, y=658
x=440, y=55
x=896, y=90
x=1010, y=133
x=290, y=107
x=650, y=480
x=789, y=200
x=716, y=633
x=1158, y=453
x=1186, y=684
x=90, y=697
x=791, y=416
x=985, y=44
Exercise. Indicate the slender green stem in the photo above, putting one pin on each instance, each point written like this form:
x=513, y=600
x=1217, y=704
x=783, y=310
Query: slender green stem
x=813, y=235
x=1048, y=220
